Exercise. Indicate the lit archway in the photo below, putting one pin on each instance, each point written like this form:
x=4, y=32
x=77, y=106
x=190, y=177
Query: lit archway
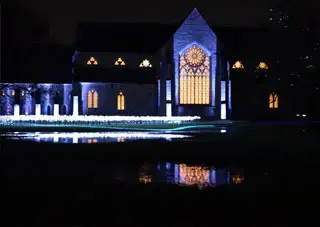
x=194, y=76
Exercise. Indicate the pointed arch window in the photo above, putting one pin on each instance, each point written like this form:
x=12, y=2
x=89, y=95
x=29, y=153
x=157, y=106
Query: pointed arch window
x=262, y=65
x=121, y=104
x=92, y=61
x=120, y=61
x=145, y=64
x=273, y=100
x=92, y=99
x=194, y=76
x=238, y=65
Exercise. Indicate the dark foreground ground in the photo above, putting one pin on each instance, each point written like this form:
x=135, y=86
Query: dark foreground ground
x=48, y=184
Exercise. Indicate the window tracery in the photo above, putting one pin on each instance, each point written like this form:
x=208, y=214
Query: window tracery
x=92, y=99
x=273, y=100
x=194, y=77
x=92, y=61
x=120, y=61
x=145, y=63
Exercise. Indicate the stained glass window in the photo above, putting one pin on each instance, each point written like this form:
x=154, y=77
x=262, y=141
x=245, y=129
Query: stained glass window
x=145, y=63
x=238, y=65
x=120, y=62
x=273, y=101
x=92, y=61
x=92, y=99
x=120, y=101
x=194, y=78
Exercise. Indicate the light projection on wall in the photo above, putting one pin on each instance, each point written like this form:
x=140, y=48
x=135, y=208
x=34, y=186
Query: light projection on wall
x=3, y=93
x=92, y=61
x=120, y=62
x=145, y=64
x=194, y=76
x=120, y=101
x=238, y=65
x=92, y=99
x=273, y=100
x=262, y=65
x=194, y=175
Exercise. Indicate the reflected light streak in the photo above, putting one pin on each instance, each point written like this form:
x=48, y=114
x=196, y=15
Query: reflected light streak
x=94, y=135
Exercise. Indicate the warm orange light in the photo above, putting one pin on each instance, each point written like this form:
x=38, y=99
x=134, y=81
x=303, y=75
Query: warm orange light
x=13, y=93
x=120, y=62
x=92, y=61
x=145, y=63
x=238, y=65
x=3, y=93
x=273, y=101
x=121, y=101
x=92, y=99
x=194, y=87
x=262, y=65
x=193, y=175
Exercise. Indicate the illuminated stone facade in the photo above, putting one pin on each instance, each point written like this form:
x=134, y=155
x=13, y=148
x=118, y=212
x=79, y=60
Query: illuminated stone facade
x=186, y=76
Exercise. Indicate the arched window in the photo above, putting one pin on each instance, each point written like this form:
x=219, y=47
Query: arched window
x=273, y=101
x=194, y=78
x=238, y=65
x=92, y=61
x=120, y=101
x=92, y=99
x=120, y=62
x=145, y=63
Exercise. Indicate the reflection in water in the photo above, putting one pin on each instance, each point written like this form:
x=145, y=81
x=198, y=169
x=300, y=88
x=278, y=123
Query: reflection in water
x=144, y=174
x=194, y=175
x=189, y=175
x=91, y=137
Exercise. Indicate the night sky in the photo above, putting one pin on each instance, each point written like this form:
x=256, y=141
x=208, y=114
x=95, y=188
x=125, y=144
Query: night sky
x=65, y=14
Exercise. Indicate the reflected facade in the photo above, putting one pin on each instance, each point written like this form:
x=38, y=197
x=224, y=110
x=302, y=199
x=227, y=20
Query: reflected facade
x=189, y=175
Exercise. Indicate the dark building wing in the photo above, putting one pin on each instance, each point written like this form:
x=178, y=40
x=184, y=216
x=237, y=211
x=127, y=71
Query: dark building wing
x=122, y=37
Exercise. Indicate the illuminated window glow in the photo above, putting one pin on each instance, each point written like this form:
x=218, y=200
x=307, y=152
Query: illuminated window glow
x=262, y=65
x=92, y=99
x=120, y=101
x=120, y=62
x=22, y=93
x=273, y=101
x=238, y=65
x=145, y=63
x=3, y=93
x=13, y=93
x=92, y=140
x=92, y=61
x=193, y=175
x=194, y=78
